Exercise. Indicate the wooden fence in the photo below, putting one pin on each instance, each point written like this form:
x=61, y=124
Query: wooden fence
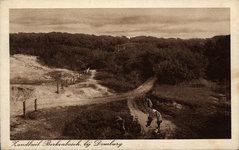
x=61, y=83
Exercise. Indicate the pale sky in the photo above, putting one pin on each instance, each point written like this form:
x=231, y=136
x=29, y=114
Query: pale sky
x=130, y=22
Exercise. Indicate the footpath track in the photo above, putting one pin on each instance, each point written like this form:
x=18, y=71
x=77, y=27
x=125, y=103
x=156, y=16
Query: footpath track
x=16, y=109
x=144, y=88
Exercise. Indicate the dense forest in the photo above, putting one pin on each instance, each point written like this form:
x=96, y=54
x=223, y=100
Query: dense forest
x=130, y=61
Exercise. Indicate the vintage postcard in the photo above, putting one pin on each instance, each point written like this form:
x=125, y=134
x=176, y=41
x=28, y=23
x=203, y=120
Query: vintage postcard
x=119, y=74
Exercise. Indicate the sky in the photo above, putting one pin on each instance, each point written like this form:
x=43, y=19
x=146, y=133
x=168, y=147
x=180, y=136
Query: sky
x=158, y=22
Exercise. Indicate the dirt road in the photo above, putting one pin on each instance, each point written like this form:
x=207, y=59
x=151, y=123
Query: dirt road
x=69, y=97
x=166, y=128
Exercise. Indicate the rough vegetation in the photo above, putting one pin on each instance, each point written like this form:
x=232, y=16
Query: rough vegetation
x=76, y=122
x=99, y=122
x=198, y=112
x=130, y=61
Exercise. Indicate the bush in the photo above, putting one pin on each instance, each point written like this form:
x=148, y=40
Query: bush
x=136, y=59
x=102, y=75
x=119, y=86
x=98, y=122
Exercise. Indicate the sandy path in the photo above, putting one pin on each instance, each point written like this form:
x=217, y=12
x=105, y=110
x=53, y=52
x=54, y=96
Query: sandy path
x=166, y=127
x=72, y=95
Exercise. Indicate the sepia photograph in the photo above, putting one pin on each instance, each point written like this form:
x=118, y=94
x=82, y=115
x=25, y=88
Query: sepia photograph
x=120, y=73
x=95, y=77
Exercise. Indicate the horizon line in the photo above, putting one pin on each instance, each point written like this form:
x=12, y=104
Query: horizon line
x=129, y=37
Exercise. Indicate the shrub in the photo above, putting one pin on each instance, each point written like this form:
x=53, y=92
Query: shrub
x=98, y=122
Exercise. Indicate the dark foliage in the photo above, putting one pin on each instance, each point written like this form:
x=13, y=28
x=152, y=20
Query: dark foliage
x=195, y=122
x=217, y=50
x=99, y=123
x=131, y=60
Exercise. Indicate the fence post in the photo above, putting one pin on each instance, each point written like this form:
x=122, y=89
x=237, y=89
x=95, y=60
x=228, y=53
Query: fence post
x=24, y=109
x=35, y=105
x=61, y=84
x=66, y=83
x=57, y=88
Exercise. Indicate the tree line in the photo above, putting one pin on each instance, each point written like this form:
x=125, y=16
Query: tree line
x=130, y=61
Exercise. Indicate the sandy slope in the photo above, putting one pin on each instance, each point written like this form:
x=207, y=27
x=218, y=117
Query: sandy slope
x=26, y=71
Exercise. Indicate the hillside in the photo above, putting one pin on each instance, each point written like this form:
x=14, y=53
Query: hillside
x=31, y=80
